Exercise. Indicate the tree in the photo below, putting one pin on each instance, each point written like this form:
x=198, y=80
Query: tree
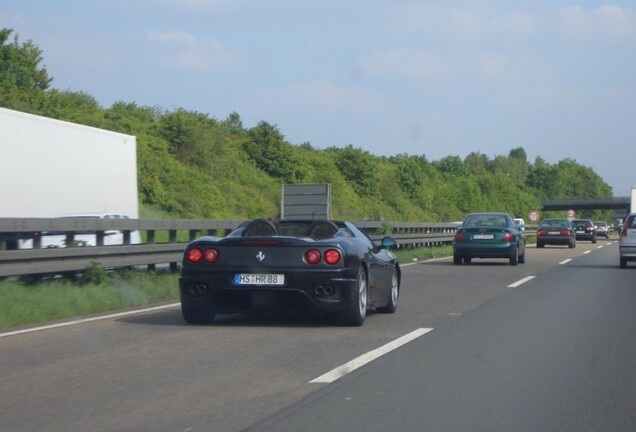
x=267, y=148
x=452, y=165
x=519, y=153
x=359, y=167
x=22, y=79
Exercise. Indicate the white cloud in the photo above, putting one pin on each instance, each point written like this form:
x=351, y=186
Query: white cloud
x=407, y=63
x=321, y=96
x=607, y=19
x=516, y=68
x=184, y=51
x=175, y=36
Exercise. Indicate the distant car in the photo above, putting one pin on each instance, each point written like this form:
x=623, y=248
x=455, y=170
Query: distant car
x=554, y=231
x=627, y=241
x=488, y=235
x=584, y=229
x=520, y=224
x=602, y=229
x=323, y=266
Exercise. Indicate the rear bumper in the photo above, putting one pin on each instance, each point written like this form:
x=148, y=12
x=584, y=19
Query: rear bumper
x=331, y=291
x=501, y=250
x=554, y=240
x=627, y=251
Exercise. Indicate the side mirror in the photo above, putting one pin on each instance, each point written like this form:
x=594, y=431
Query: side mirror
x=388, y=242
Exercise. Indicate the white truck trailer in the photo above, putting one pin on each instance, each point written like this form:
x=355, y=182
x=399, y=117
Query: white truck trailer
x=51, y=168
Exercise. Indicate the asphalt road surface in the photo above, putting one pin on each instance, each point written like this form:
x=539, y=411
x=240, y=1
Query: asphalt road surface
x=549, y=345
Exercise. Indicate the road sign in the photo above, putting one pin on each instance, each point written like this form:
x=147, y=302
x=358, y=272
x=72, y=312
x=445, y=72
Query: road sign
x=534, y=216
x=571, y=213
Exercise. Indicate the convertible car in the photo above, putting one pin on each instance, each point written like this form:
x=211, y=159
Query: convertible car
x=289, y=266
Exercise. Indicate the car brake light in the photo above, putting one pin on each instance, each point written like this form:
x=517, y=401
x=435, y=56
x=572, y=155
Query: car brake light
x=459, y=236
x=508, y=237
x=332, y=256
x=211, y=255
x=540, y=233
x=194, y=255
x=313, y=256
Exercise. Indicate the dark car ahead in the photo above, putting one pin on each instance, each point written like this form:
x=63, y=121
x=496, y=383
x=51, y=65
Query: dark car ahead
x=289, y=266
x=584, y=229
x=556, y=232
x=488, y=235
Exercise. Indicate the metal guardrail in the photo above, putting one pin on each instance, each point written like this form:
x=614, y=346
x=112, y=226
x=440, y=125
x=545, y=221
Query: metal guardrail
x=15, y=262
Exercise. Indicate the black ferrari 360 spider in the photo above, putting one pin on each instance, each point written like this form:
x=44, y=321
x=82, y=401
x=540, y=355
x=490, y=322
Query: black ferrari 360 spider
x=289, y=265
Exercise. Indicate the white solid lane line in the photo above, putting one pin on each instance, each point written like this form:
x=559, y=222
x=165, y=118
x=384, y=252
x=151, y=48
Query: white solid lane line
x=521, y=281
x=85, y=320
x=354, y=364
x=566, y=261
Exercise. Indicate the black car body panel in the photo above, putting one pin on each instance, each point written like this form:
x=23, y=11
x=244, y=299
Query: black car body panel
x=584, y=229
x=268, y=270
x=556, y=231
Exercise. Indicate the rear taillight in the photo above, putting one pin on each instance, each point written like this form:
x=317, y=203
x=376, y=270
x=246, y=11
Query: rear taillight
x=540, y=233
x=211, y=255
x=313, y=256
x=567, y=233
x=589, y=229
x=459, y=236
x=508, y=237
x=194, y=255
x=332, y=256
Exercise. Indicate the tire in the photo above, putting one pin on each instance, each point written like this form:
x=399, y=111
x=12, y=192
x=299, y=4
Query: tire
x=522, y=257
x=594, y=239
x=394, y=295
x=572, y=244
x=467, y=260
x=457, y=260
x=540, y=245
x=197, y=314
x=623, y=262
x=514, y=259
x=356, y=314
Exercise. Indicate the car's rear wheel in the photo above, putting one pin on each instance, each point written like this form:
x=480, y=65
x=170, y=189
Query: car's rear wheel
x=540, y=245
x=594, y=239
x=197, y=314
x=522, y=257
x=391, y=306
x=358, y=311
x=457, y=259
x=515, y=257
x=468, y=260
x=572, y=244
x=623, y=262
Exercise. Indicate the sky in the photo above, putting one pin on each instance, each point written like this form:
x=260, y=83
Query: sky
x=432, y=78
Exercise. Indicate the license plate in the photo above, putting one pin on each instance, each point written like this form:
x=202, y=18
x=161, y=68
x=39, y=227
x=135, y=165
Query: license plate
x=259, y=279
x=483, y=237
x=580, y=232
x=554, y=232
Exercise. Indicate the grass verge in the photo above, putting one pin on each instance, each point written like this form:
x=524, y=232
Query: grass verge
x=28, y=301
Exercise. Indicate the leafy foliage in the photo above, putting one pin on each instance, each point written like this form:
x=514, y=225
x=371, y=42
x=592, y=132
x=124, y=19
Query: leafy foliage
x=191, y=165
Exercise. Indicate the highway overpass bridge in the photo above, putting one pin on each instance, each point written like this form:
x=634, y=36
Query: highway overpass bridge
x=622, y=205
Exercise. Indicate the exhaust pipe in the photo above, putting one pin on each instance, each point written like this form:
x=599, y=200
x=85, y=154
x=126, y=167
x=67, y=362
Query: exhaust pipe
x=199, y=289
x=324, y=290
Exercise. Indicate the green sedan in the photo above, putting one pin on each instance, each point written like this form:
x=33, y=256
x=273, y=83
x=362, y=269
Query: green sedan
x=488, y=235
